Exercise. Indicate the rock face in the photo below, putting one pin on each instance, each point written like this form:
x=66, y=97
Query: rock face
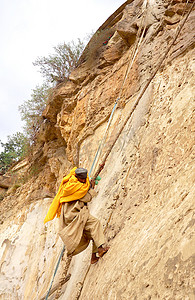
x=145, y=199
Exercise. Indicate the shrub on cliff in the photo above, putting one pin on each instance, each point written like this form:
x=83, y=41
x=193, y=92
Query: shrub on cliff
x=13, y=150
x=58, y=66
x=31, y=110
x=55, y=68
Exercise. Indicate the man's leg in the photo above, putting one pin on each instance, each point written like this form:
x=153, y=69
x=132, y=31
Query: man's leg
x=93, y=230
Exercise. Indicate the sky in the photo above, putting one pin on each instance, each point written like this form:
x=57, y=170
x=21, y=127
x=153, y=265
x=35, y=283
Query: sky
x=30, y=29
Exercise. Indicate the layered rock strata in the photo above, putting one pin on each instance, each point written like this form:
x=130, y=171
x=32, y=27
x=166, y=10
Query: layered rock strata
x=147, y=187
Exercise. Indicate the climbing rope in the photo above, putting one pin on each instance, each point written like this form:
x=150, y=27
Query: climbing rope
x=58, y=262
x=178, y=30
x=130, y=114
x=99, y=150
x=129, y=66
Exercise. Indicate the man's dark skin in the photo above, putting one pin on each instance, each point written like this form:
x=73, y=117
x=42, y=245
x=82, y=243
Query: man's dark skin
x=101, y=250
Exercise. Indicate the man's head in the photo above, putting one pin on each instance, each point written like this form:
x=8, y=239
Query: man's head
x=81, y=174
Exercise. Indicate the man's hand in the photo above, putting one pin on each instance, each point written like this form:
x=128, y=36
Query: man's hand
x=92, y=181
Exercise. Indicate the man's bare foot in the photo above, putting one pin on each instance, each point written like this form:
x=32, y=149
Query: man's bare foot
x=102, y=251
x=94, y=258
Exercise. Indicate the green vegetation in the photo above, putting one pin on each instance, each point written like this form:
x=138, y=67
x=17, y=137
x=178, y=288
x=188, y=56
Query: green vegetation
x=13, y=150
x=55, y=68
x=31, y=110
x=58, y=66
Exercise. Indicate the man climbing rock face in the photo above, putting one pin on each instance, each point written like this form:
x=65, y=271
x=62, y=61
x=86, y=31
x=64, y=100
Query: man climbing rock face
x=77, y=227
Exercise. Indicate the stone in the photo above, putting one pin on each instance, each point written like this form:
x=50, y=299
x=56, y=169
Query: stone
x=145, y=199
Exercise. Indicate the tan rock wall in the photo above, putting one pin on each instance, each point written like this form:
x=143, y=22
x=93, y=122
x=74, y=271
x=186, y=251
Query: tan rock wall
x=28, y=253
x=150, y=183
x=147, y=186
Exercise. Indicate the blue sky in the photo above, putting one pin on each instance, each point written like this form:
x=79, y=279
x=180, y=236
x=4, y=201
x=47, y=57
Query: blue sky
x=31, y=28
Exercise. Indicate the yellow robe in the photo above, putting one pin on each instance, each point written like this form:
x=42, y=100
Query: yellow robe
x=70, y=189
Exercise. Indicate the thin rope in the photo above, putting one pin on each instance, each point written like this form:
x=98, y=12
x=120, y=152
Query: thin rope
x=143, y=91
x=129, y=66
x=98, y=152
x=59, y=259
x=138, y=99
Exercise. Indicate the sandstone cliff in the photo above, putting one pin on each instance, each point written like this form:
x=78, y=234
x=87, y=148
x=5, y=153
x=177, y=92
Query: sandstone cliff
x=145, y=199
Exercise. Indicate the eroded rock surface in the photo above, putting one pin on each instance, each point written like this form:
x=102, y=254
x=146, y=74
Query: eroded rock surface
x=145, y=199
